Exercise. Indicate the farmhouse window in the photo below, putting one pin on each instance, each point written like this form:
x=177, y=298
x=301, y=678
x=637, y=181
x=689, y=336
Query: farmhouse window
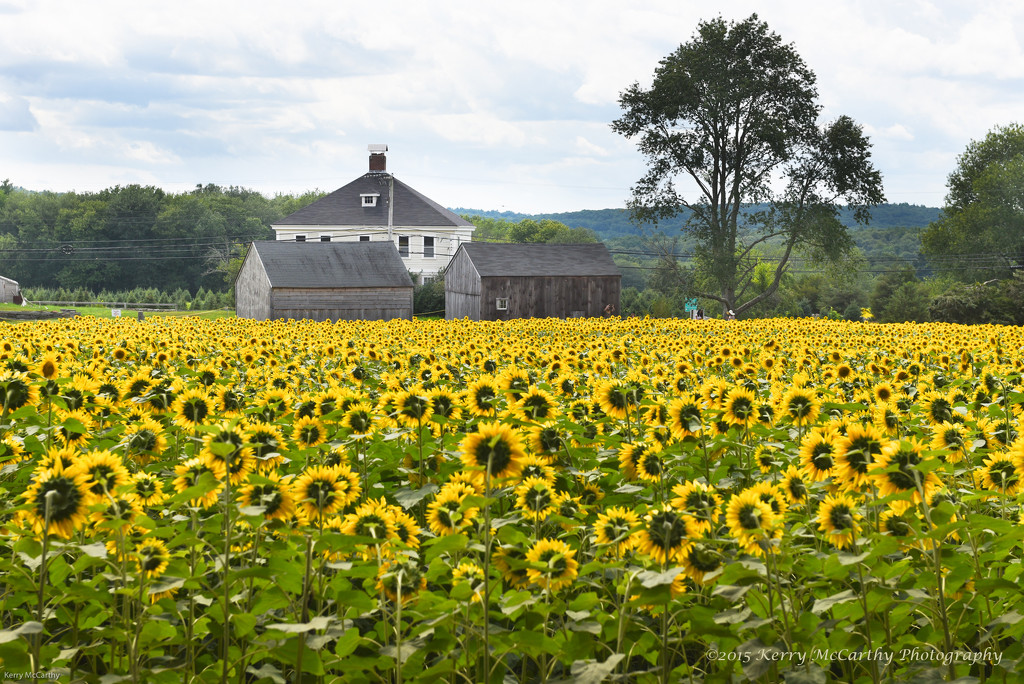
x=403, y=246
x=325, y=238
x=428, y=246
x=364, y=238
x=300, y=238
x=501, y=303
x=369, y=199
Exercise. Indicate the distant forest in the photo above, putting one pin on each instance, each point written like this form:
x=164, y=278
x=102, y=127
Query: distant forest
x=143, y=237
x=614, y=222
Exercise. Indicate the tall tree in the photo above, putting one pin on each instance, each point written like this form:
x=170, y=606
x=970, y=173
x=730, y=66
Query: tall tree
x=981, y=232
x=734, y=110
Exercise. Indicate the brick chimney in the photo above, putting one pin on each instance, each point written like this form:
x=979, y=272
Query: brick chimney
x=378, y=160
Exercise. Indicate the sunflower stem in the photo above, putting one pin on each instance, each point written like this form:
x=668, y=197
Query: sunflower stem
x=487, y=566
x=226, y=637
x=37, y=640
x=304, y=607
x=135, y=659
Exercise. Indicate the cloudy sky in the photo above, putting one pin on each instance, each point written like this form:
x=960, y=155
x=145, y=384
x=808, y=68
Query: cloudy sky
x=484, y=105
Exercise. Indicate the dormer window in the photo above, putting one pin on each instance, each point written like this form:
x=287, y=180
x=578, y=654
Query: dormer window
x=369, y=199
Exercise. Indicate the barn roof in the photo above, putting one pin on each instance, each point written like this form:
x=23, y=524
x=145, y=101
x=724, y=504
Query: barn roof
x=540, y=259
x=332, y=264
x=344, y=207
x=9, y=280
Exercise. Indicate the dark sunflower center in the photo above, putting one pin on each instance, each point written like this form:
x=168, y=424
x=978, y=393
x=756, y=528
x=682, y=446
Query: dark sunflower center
x=497, y=456
x=555, y=562
x=538, y=498
x=151, y=559
x=195, y=410
x=897, y=527
x=822, y=456
x=650, y=464
x=749, y=517
x=703, y=559
x=537, y=406
x=667, y=530
x=1003, y=474
x=321, y=493
x=104, y=478
x=359, y=421
x=64, y=501
x=742, y=408
x=267, y=496
x=840, y=517
x=800, y=406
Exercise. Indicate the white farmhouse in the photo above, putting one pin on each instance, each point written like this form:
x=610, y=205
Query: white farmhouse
x=376, y=207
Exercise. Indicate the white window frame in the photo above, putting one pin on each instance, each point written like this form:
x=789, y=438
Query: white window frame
x=400, y=247
x=300, y=238
x=432, y=250
x=364, y=238
x=501, y=303
x=368, y=199
x=325, y=238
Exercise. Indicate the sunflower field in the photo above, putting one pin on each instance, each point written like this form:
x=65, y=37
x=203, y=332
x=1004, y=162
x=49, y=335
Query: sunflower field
x=582, y=500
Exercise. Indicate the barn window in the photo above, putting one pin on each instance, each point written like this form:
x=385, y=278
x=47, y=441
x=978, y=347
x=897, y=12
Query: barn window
x=300, y=238
x=501, y=303
x=403, y=246
x=428, y=246
x=364, y=238
x=369, y=199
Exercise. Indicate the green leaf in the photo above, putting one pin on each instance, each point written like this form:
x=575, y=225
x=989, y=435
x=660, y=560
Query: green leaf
x=26, y=628
x=822, y=605
x=448, y=543
x=650, y=579
x=243, y=623
x=407, y=498
x=301, y=627
x=592, y=671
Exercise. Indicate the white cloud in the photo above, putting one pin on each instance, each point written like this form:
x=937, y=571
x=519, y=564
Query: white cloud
x=15, y=114
x=516, y=97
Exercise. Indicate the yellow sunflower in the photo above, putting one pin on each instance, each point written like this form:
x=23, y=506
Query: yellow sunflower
x=666, y=535
x=751, y=522
x=494, y=450
x=700, y=501
x=58, y=502
x=552, y=564
x=838, y=519
x=614, y=527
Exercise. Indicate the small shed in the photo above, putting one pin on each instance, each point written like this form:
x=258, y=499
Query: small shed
x=488, y=282
x=10, y=293
x=323, y=281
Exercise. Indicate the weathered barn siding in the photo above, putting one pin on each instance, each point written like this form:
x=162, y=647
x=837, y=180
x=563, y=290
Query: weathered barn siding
x=537, y=280
x=548, y=296
x=8, y=288
x=323, y=282
x=252, y=289
x=462, y=288
x=350, y=304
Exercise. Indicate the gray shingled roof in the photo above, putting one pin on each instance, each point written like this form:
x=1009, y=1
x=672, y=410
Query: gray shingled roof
x=538, y=259
x=343, y=207
x=332, y=264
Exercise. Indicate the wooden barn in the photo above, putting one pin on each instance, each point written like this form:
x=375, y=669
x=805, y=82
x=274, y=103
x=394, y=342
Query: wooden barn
x=488, y=282
x=323, y=281
x=10, y=293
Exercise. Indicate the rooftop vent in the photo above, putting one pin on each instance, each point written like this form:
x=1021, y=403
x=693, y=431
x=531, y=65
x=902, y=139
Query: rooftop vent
x=378, y=160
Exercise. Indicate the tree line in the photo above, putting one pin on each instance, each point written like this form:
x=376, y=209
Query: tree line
x=133, y=236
